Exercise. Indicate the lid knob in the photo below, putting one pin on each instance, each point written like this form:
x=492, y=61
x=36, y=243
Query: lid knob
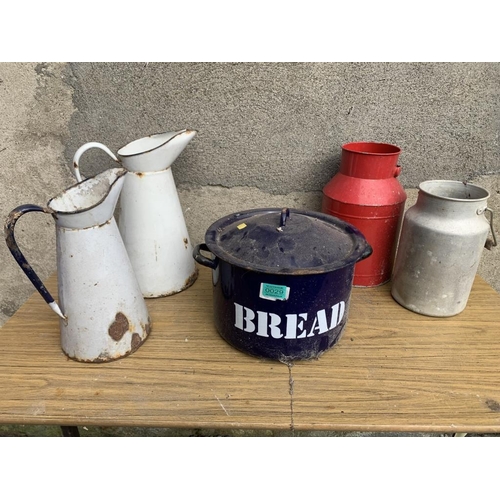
x=285, y=214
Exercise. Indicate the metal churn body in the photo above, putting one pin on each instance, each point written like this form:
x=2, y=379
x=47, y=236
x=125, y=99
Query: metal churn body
x=366, y=193
x=441, y=243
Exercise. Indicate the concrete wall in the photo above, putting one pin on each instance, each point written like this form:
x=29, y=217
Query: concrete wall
x=268, y=134
x=35, y=109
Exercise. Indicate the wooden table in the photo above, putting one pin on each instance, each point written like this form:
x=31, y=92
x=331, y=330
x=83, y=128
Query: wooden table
x=393, y=370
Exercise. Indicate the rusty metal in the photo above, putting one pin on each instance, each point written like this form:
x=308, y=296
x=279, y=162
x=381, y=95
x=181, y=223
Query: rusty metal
x=119, y=327
x=189, y=281
x=147, y=327
x=136, y=342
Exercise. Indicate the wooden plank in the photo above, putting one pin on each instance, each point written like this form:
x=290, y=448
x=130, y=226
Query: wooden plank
x=393, y=370
x=184, y=375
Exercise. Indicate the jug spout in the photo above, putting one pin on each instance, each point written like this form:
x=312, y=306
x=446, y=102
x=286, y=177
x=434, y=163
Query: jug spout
x=90, y=202
x=156, y=152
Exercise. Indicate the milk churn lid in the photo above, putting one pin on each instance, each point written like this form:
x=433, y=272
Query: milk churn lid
x=286, y=241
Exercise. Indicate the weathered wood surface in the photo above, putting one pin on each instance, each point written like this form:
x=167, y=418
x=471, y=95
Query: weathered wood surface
x=393, y=370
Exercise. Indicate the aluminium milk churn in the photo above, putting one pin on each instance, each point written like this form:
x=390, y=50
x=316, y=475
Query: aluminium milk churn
x=440, y=247
x=367, y=194
x=151, y=219
x=103, y=315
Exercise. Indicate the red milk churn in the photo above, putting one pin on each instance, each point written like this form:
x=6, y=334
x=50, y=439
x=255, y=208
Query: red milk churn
x=366, y=193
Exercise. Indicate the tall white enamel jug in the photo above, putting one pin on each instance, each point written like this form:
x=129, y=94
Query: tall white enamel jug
x=103, y=315
x=440, y=246
x=151, y=219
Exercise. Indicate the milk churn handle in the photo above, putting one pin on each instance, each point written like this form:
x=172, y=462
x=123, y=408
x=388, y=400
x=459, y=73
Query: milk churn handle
x=10, y=223
x=397, y=171
x=490, y=243
x=85, y=147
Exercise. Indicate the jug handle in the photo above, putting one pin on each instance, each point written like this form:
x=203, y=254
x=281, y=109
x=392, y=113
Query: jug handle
x=10, y=223
x=397, y=171
x=86, y=147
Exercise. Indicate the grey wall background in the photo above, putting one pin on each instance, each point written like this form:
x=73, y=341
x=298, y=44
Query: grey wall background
x=269, y=134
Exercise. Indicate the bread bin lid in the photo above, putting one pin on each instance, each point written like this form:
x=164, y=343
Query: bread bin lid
x=286, y=241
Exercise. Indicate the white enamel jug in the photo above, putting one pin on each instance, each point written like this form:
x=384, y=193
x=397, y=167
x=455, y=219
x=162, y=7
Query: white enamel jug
x=151, y=219
x=103, y=314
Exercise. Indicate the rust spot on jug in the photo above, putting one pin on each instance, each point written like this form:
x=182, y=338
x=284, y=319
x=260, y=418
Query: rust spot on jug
x=100, y=225
x=136, y=341
x=119, y=327
x=9, y=230
x=101, y=358
x=190, y=280
x=493, y=405
x=185, y=242
x=146, y=328
x=139, y=174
